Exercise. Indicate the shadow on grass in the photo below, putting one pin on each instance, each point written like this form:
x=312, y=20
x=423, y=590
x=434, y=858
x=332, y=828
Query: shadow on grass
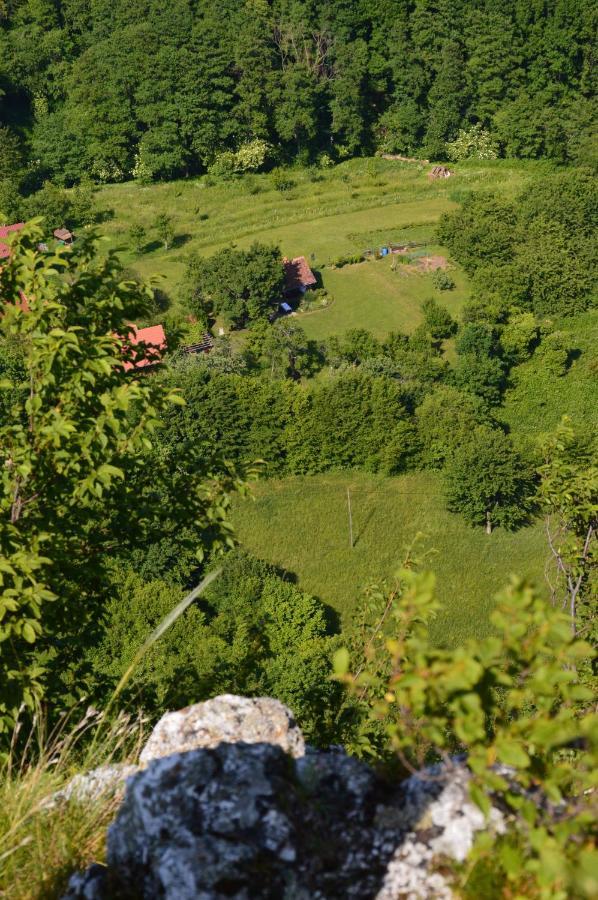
x=364, y=527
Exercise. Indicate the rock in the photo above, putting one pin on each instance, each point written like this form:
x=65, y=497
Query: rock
x=445, y=822
x=267, y=818
x=93, y=784
x=226, y=719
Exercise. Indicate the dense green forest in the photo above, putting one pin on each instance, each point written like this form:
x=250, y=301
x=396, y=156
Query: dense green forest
x=113, y=90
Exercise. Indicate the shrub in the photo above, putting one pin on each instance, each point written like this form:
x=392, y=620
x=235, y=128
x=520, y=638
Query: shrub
x=512, y=704
x=349, y=260
x=442, y=281
x=554, y=351
x=472, y=143
x=282, y=180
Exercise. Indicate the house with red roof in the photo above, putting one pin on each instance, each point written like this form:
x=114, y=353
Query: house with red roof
x=5, y=230
x=298, y=276
x=154, y=344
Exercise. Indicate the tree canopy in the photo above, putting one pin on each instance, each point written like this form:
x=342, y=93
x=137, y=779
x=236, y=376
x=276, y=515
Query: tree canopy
x=154, y=92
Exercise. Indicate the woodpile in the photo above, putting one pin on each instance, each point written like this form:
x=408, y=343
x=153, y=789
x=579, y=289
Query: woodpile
x=440, y=172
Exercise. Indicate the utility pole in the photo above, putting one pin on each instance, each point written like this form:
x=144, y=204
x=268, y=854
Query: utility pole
x=350, y=519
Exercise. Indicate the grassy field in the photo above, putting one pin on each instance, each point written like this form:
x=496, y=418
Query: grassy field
x=301, y=524
x=359, y=204
x=374, y=296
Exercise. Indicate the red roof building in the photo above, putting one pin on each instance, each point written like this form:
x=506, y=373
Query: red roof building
x=297, y=275
x=155, y=344
x=5, y=230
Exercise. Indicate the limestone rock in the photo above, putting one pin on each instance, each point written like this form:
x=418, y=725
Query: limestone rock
x=90, y=785
x=226, y=719
x=255, y=814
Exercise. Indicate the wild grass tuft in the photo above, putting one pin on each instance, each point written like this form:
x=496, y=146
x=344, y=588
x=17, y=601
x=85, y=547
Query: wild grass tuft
x=42, y=841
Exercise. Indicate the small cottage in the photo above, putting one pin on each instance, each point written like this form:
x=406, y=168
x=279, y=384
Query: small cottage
x=298, y=276
x=64, y=236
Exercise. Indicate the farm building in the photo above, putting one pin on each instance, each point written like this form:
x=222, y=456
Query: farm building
x=64, y=235
x=155, y=343
x=5, y=230
x=298, y=276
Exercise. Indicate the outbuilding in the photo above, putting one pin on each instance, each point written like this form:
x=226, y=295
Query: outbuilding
x=298, y=276
x=64, y=236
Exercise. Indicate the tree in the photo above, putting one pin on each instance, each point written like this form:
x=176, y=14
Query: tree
x=483, y=230
x=438, y=320
x=74, y=449
x=445, y=421
x=165, y=229
x=488, y=482
x=569, y=494
x=137, y=234
x=472, y=143
x=240, y=285
x=253, y=633
x=287, y=352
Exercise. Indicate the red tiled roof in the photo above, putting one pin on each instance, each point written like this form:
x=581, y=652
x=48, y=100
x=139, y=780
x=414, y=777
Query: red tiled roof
x=154, y=338
x=297, y=274
x=5, y=230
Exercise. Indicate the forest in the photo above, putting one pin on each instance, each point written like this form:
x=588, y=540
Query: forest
x=112, y=90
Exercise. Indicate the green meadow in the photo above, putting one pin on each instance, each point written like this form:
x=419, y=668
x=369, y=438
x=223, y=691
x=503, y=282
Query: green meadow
x=326, y=212
x=302, y=525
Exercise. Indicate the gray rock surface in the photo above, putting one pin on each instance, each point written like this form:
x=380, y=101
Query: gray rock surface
x=93, y=784
x=246, y=820
x=225, y=719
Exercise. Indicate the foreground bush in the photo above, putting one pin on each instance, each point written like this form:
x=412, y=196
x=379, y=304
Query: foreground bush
x=513, y=703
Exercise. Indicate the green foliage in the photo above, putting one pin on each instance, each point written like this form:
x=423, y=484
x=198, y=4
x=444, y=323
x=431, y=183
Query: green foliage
x=164, y=94
x=445, y=421
x=487, y=481
x=137, y=234
x=472, y=143
x=442, y=280
x=438, y=320
x=511, y=702
x=165, y=229
x=248, y=158
x=240, y=285
x=568, y=493
x=60, y=208
x=537, y=253
x=483, y=230
x=254, y=633
x=519, y=337
x=74, y=452
x=282, y=180
x=554, y=351
x=284, y=350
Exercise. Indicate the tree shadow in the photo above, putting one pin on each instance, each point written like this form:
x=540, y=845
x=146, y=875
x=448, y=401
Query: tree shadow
x=362, y=530
x=103, y=215
x=180, y=240
x=151, y=247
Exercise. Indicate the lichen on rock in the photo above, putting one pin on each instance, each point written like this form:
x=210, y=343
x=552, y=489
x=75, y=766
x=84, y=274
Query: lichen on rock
x=259, y=815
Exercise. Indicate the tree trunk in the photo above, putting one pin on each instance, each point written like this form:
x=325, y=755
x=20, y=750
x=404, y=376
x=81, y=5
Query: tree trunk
x=488, y=522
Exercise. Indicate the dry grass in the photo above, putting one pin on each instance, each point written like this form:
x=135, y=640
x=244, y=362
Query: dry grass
x=42, y=843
